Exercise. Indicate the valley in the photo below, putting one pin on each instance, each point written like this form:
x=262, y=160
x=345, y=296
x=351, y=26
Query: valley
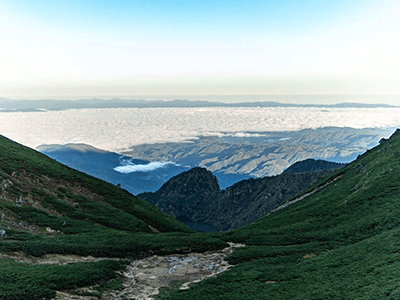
x=194, y=197
x=199, y=150
x=340, y=240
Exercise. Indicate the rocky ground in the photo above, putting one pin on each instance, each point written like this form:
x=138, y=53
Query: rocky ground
x=145, y=278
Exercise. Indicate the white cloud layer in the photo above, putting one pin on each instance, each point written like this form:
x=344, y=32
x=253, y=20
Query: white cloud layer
x=118, y=129
x=126, y=169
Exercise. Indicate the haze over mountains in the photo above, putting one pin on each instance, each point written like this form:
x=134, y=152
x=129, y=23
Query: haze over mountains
x=109, y=166
x=118, y=129
x=264, y=153
x=146, y=168
x=234, y=143
x=49, y=104
x=134, y=175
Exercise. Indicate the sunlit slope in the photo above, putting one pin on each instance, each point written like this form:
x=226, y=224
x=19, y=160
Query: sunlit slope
x=340, y=242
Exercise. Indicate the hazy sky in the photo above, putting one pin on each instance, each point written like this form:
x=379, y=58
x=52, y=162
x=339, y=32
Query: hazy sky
x=119, y=48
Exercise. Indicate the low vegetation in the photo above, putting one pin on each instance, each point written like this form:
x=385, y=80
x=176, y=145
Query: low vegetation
x=340, y=242
x=48, y=208
x=21, y=281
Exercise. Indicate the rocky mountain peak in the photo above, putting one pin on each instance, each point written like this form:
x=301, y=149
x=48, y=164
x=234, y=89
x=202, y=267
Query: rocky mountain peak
x=194, y=197
x=191, y=182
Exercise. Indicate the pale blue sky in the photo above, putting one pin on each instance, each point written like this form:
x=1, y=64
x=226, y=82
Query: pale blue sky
x=119, y=48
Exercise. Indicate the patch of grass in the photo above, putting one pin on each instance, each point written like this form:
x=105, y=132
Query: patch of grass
x=21, y=281
x=113, y=243
x=173, y=286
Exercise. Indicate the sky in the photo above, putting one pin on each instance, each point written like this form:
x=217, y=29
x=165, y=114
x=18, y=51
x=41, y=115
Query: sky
x=79, y=49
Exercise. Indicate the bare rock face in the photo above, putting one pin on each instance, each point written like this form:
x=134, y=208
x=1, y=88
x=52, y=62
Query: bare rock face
x=195, y=198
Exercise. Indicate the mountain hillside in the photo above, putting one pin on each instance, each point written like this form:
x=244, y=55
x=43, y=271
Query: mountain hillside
x=338, y=240
x=195, y=198
x=47, y=208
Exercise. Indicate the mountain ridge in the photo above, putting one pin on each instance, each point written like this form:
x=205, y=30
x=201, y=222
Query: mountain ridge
x=49, y=104
x=194, y=197
x=268, y=154
x=310, y=165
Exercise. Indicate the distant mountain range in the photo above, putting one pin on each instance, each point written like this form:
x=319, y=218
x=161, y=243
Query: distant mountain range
x=259, y=154
x=134, y=175
x=145, y=168
x=50, y=104
x=193, y=196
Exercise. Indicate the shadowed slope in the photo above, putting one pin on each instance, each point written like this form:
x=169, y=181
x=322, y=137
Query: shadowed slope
x=194, y=197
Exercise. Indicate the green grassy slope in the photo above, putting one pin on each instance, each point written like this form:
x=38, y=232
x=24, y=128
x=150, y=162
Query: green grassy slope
x=341, y=242
x=48, y=208
x=34, y=174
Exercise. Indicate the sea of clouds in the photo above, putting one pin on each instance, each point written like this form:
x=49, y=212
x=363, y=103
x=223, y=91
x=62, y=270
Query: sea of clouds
x=118, y=129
